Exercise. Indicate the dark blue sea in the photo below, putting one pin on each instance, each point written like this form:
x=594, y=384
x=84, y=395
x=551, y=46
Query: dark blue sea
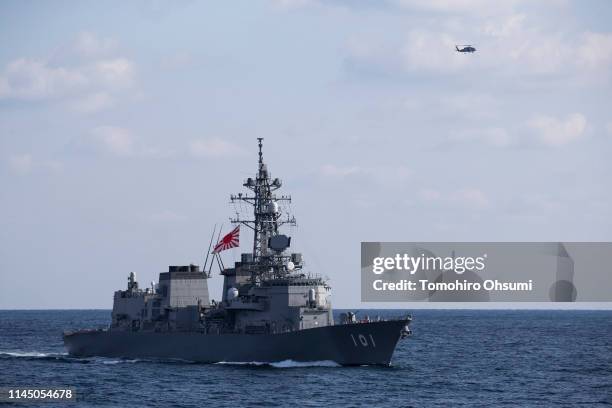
x=454, y=358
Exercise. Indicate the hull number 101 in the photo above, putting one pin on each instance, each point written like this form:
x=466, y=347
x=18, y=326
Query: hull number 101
x=363, y=340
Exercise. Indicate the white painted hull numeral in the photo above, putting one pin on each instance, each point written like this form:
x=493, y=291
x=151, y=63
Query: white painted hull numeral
x=363, y=340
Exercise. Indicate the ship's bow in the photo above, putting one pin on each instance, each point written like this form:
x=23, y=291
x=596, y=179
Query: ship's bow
x=371, y=343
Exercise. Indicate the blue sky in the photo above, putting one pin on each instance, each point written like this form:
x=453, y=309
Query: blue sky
x=125, y=127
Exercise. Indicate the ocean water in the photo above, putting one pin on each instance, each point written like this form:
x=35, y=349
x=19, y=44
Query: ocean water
x=454, y=358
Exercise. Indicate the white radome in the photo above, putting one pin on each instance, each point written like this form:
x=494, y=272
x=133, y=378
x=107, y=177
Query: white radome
x=232, y=293
x=273, y=207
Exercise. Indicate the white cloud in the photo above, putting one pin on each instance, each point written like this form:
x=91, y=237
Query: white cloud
x=533, y=204
x=90, y=45
x=496, y=136
x=21, y=164
x=549, y=131
x=509, y=26
x=87, y=85
x=115, y=140
x=583, y=57
x=121, y=142
x=156, y=152
x=429, y=195
x=609, y=128
x=30, y=80
x=419, y=51
x=470, y=198
x=595, y=51
x=431, y=51
x=179, y=59
x=292, y=4
x=469, y=105
x=214, y=147
x=116, y=72
x=474, y=7
x=463, y=109
x=510, y=45
x=493, y=136
x=388, y=175
x=94, y=102
x=557, y=132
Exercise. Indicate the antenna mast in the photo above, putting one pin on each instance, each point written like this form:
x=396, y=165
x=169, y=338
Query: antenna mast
x=267, y=218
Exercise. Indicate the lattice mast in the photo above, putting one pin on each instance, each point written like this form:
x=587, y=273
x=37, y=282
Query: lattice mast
x=268, y=245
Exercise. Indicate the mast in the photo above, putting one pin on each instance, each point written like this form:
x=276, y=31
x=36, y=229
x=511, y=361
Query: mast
x=268, y=244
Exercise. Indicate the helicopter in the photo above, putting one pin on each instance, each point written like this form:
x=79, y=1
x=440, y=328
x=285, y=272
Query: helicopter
x=465, y=48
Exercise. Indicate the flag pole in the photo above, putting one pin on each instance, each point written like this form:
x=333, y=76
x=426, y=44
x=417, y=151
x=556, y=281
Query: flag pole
x=215, y=254
x=208, y=253
x=220, y=262
x=219, y=234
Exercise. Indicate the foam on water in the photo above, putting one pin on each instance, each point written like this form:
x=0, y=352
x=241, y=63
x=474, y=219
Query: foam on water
x=285, y=363
x=118, y=361
x=36, y=355
x=297, y=364
x=40, y=356
x=25, y=354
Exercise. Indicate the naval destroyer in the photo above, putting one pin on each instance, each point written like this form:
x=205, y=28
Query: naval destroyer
x=271, y=309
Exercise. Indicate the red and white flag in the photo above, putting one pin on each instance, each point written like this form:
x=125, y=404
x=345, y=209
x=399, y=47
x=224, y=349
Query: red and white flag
x=231, y=240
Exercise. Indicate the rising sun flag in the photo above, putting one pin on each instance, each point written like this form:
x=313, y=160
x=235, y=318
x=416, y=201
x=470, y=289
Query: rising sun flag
x=231, y=240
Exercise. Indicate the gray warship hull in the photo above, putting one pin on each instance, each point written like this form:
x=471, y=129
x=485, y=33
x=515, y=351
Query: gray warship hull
x=369, y=343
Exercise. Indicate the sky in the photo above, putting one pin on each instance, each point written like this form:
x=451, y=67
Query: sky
x=124, y=128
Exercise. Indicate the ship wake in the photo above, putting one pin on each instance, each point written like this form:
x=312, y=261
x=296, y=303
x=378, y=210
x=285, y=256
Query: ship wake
x=284, y=364
x=66, y=358
x=39, y=356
